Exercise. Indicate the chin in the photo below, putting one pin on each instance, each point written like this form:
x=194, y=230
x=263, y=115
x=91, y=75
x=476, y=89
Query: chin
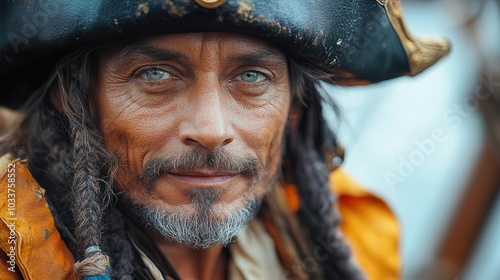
x=199, y=225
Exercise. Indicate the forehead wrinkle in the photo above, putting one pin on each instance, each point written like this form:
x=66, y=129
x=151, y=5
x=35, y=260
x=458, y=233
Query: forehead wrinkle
x=142, y=48
x=209, y=50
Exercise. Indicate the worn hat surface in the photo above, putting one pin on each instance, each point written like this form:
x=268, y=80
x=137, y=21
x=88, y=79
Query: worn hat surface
x=354, y=42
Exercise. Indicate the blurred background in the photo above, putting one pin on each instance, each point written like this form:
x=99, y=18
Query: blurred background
x=427, y=144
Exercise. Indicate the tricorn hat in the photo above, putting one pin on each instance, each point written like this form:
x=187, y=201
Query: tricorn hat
x=354, y=42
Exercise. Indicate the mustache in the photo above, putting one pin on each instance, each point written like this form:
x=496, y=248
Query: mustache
x=200, y=159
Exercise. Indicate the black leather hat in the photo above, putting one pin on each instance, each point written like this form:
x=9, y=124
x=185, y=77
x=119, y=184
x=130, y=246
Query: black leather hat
x=355, y=41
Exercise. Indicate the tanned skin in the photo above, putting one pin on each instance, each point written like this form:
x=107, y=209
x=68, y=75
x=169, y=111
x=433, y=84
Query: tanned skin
x=166, y=95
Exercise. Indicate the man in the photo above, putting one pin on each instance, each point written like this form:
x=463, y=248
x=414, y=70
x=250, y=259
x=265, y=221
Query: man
x=159, y=130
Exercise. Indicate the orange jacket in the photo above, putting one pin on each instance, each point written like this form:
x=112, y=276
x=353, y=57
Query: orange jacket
x=368, y=224
x=32, y=247
x=371, y=228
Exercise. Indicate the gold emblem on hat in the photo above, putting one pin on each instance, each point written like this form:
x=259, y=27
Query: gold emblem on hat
x=210, y=4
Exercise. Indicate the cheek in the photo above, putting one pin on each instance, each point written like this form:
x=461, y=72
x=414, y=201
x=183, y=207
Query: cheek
x=263, y=129
x=132, y=131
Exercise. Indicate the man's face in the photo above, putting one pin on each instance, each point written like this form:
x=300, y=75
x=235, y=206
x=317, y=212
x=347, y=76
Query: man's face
x=196, y=121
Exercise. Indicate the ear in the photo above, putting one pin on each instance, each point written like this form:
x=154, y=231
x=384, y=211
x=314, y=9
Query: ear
x=55, y=98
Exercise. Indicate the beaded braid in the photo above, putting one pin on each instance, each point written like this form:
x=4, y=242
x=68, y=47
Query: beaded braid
x=93, y=164
x=90, y=199
x=67, y=156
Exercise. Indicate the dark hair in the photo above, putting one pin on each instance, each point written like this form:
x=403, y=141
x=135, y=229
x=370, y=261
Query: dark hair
x=67, y=156
x=307, y=143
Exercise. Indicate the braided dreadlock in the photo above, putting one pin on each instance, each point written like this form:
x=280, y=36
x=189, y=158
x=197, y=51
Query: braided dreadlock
x=64, y=146
x=305, y=147
x=90, y=196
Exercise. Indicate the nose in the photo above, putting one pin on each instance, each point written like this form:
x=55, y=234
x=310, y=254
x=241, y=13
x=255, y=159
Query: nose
x=207, y=123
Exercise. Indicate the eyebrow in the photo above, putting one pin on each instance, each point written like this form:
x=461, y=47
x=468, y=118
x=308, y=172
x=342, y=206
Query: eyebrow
x=260, y=56
x=141, y=48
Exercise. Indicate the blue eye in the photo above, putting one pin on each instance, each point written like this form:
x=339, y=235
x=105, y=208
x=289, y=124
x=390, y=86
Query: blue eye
x=250, y=76
x=156, y=74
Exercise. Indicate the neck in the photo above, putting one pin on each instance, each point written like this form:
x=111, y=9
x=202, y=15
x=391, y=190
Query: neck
x=203, y=264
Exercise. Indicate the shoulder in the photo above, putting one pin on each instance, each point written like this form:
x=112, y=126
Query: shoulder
x=8, y=119
x=369, y=225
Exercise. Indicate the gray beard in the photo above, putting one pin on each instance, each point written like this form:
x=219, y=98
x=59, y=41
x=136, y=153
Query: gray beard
x=205, y=228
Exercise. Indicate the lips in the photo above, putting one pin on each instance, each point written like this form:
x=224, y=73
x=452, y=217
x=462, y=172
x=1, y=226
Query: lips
x=204, y=178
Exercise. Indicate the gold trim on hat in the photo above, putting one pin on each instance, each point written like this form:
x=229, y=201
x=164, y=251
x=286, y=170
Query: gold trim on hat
x=421, y=53
x=210, y=4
